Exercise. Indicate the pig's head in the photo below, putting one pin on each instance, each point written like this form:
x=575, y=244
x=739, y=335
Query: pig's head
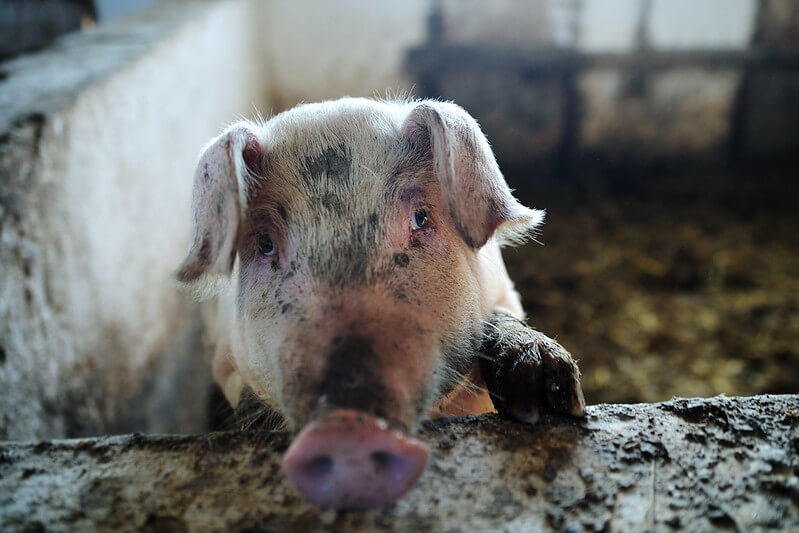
x=353, y=232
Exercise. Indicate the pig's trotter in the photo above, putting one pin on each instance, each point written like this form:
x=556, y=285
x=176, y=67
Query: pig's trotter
x=527, y=372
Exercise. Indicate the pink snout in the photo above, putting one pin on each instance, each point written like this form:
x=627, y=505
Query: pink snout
x=351, y=460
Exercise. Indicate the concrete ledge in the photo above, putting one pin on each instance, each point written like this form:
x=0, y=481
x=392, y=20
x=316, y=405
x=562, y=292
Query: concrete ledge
x=693, y=464
x=43, y=83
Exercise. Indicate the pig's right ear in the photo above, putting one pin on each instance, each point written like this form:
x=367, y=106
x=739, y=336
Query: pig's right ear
x=219, y=200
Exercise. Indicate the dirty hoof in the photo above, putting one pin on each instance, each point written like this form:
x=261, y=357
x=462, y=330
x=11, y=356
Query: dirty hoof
x=526, y=372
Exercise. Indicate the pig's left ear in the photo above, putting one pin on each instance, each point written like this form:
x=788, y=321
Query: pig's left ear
x=219, y=199
x=479, y=200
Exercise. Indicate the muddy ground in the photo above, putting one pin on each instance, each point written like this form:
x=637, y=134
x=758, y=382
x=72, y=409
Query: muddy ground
x=666, y=285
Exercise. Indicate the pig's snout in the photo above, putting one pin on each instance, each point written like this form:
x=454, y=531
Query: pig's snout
x=351, y=460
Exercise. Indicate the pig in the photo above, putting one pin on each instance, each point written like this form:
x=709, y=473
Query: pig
x=353, y=251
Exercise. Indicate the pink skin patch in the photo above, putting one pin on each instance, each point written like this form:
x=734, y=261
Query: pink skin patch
x=354, y=461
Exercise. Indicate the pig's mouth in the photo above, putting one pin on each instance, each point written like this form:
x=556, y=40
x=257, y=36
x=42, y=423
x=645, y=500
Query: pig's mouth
x=351, y=460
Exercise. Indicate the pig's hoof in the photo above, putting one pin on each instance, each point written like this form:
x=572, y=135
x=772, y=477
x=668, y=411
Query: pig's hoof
x=526, y=372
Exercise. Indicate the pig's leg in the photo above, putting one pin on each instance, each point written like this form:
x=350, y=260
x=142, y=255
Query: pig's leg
x=527, y=372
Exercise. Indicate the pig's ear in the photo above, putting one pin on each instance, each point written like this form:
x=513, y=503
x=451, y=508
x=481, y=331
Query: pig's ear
x=479, y=200
x=221, y=181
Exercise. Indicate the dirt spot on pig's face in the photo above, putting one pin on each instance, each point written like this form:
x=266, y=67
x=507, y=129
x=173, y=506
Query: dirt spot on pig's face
x=354, y=307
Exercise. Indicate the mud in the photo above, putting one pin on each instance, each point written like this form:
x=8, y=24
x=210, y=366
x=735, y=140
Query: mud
x=699, y=465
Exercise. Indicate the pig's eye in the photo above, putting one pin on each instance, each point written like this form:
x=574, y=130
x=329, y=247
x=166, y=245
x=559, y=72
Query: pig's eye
x=420, y=218
x=265, y=244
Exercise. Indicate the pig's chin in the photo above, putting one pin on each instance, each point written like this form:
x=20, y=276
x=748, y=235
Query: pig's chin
x=351, y=460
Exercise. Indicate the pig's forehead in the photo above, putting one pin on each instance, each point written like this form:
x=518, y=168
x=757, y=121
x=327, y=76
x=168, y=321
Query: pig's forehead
x=347, y=116
x=355, y=133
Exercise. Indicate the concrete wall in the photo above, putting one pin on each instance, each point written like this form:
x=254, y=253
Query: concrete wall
x=99, y=136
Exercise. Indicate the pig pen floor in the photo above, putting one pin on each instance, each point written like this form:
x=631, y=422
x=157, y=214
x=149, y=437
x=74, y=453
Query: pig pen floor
x=667, y=286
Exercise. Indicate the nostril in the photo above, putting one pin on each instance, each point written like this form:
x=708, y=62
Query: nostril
x=350, y=460
x=318, y=467
x=382, y=459
x=392, y=465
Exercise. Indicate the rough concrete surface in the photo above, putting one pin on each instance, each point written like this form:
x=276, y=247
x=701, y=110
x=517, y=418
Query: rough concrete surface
x=99, y=137
x=693, y=464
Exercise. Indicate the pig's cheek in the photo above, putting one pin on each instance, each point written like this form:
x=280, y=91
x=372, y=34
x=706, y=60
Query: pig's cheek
x=262, y=272
x=260, y=336
x=257, y=365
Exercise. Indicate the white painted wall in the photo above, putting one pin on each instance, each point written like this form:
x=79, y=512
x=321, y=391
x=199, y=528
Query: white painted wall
x=512, y=24
x=321, y=50
x=87, y=311
x=608, y=25
x=701, y=24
